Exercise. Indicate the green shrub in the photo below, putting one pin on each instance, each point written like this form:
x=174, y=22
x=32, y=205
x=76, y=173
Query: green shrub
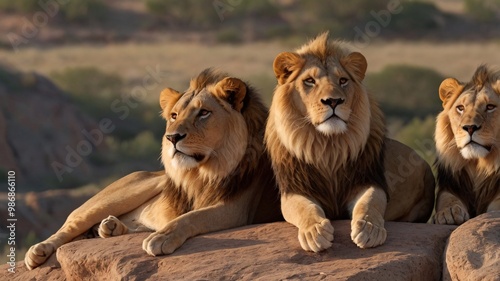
x=17, y=81
x=229, y=35
x=19, y=6
x=84, y=10
x=189, y=13
x=264, y=84
x=88, y=82
x=10, y=79
x=144, y=145
x=483, y=10
x=197, y=14
x=406, y=91
x=419, y=135
x=94, y=91
x=416, y=16
x=337, y=16
x=72, y=11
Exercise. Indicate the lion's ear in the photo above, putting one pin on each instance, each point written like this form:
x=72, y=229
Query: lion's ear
x=356, y=64
x=285, y=64
x=233, y=90
x=168, y=98
x=447, y=88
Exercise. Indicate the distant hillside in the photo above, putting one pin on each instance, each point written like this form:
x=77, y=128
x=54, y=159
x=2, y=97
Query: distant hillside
x=44, y=137
x=56, y=139
x=26, y=23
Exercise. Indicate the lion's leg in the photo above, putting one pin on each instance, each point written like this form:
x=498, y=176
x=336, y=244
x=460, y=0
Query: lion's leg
x=367, y=225
x=72, y=228
x=450, y=209
x=173, y=234
x=118, y=198
x=315, y=230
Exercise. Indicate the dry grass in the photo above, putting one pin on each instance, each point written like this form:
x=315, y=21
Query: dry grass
x=184, y=60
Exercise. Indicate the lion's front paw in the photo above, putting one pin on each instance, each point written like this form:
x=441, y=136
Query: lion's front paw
x=111, y=226
x=162, y=243
x=452, y=215
x=316, y=237
x=38, y=254
x=365, y=234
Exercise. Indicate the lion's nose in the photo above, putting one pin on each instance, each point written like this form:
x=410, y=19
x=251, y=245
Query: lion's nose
x=471, y=129
x=332, y=102
x=175, y=138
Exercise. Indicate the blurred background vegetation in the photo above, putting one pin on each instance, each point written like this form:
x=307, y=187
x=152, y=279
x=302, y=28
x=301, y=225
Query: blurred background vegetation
x=95, y=52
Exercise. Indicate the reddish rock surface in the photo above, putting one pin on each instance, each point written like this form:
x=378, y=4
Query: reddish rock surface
x=268, y=252
x=473, y=251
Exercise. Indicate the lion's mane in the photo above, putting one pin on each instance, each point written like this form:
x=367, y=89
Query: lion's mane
x=330, y=169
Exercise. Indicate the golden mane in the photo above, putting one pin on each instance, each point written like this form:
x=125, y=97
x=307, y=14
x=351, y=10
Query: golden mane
x=207, y=183
x=474, y=181
x=327, y=168
x=322, y=49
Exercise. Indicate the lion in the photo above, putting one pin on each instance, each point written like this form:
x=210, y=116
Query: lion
x=326, y=140
x=217, y=174
x=468, y=148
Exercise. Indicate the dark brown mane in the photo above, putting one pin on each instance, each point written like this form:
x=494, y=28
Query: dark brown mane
x=461, y=185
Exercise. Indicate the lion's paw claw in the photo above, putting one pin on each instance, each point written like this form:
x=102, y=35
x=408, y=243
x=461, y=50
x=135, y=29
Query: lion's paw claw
x=366, y=234
x=454, y=215
x=316, y=237
x=158, y=243
x=38, y=254
x=111, y=226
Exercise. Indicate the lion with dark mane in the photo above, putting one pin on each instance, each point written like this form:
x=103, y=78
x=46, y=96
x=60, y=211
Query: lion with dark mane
x=326, y=139
x=468, y=146
x=216, y=176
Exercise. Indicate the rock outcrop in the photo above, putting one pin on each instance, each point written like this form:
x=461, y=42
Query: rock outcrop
x=265, y=252
x=473, y=250
x=44, y=137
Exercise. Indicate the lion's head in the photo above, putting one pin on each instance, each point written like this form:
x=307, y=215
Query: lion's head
x=320, y=99
x=211, y=127
x=467, y=129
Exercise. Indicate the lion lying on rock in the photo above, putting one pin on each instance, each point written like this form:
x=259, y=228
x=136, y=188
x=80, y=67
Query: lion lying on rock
x=326, y=139
x=468, y=147
x=216, y=176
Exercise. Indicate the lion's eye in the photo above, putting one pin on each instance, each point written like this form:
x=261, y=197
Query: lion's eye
x=309, y=82
x=204, y=113
x=460, y=109
x=173, y=116
x=491, y=107
x=343, y=82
